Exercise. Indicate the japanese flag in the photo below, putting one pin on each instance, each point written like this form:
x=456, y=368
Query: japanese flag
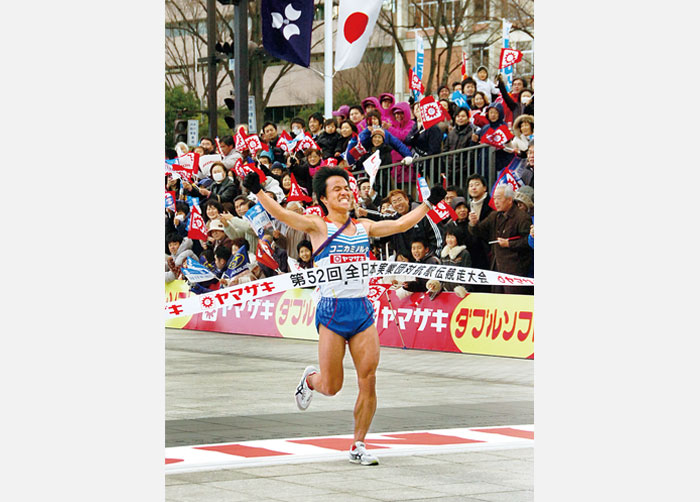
x=356, y=22
x=497, y=137
x=295, y=192
x=509, y=57
x=198, y=229
x=431, y=112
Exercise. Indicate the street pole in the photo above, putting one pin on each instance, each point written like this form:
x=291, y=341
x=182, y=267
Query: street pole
x=328, y=60
x=240, y=65
x=211, y=65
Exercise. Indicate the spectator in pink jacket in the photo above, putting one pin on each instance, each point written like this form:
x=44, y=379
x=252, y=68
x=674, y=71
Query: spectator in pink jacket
x=386, y=103
x=401, y=124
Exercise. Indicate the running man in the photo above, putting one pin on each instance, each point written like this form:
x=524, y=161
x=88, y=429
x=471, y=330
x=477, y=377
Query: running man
x=344, y=314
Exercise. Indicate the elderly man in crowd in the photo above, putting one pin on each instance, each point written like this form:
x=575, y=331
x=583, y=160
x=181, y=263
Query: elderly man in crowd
x=507, y=228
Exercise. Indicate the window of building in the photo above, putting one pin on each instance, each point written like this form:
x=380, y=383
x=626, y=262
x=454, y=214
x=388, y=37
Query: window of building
x=421, y=12
x=481, y=10
x=479, y=56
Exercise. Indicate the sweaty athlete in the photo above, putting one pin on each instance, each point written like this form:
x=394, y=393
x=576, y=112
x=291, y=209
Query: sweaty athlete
x=344, y=315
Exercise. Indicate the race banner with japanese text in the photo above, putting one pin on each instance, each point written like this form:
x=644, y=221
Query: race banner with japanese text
x=488, y=324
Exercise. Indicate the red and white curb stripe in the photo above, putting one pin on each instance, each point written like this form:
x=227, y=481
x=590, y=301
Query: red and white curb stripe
x=263, y=452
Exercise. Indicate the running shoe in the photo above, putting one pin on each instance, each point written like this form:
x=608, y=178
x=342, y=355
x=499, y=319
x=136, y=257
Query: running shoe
x=304, y=394
x=360, y=455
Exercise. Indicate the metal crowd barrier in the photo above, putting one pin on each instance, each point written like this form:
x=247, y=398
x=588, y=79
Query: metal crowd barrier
x=456, y=165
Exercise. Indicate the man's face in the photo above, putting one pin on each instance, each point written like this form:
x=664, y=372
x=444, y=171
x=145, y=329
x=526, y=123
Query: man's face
x=338, y=193
x=418, y=251
x=241, y=207
x=462, y=212
x=501, y=202
x=226, y=149
x=399, y=203
x=173, y=247
x=517, y=85
x=217, y=234
x=476, y=189
x=270, y=132
x=457, y=87
x=295, y=207
x=369, y=107
x=355, y=116
x=314, y=125
x=220, y=263
x=493, y=114
x=531, y=156
x=450, y=195
x=469, y=89
x=208, y=146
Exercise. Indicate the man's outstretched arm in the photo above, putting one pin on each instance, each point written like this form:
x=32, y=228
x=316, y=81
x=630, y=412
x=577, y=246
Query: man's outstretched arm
x=408, y=220
x=304, y=223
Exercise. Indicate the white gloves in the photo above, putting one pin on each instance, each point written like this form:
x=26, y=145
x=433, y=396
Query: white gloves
x=407, y=161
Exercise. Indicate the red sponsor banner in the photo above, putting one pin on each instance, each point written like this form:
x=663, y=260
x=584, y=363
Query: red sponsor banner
x=347, y=258
x=480, y=323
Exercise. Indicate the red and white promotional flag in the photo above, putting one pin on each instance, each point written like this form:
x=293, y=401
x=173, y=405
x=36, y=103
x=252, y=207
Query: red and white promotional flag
x=255, y=145
x=353, y=186
x=465, y=58
x=198, y=229
x=295, y=192
x=356, y=22
x=441, y=211
x=330, y=162
x=371, y=166
x=414, y=82
x=510, y=57
x=358, y=150
x=317, y=210
x=431, y=112
x=241, y=140
x=376, y=291
x=205, y=162
x=497, y=137
x=264, y=255
x=306, y=142
x=283, y=142
x=188, y=164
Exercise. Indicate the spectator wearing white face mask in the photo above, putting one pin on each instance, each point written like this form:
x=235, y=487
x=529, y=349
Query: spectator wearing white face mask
x=223, y=189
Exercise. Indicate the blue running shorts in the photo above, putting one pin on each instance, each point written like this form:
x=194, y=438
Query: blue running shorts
x=345, y=316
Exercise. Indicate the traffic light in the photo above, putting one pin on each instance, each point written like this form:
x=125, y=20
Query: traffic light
x=226, y=48
x=231, y=105
x=180, y=131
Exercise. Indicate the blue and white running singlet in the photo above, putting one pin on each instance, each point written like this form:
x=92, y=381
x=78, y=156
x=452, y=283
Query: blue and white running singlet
x=344, y=249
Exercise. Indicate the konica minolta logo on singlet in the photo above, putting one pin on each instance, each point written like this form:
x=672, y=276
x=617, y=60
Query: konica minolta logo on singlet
x=347, y=248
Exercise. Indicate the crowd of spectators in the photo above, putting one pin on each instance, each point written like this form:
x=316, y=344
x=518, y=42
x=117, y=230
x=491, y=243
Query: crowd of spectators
x=493, y=228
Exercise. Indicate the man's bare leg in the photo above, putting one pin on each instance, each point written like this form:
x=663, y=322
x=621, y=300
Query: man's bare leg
x=364, y=349
x=331, y=350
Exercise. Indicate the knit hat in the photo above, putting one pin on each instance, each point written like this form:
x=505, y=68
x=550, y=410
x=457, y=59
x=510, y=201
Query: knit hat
x=456, y=201
x=379, y=131
x=526, y=195
x=342, y=111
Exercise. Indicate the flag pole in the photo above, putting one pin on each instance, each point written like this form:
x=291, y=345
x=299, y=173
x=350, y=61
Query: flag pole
x=328, y=60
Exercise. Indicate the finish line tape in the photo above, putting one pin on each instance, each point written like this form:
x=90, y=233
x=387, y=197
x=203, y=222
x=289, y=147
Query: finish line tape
x=343, y=272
